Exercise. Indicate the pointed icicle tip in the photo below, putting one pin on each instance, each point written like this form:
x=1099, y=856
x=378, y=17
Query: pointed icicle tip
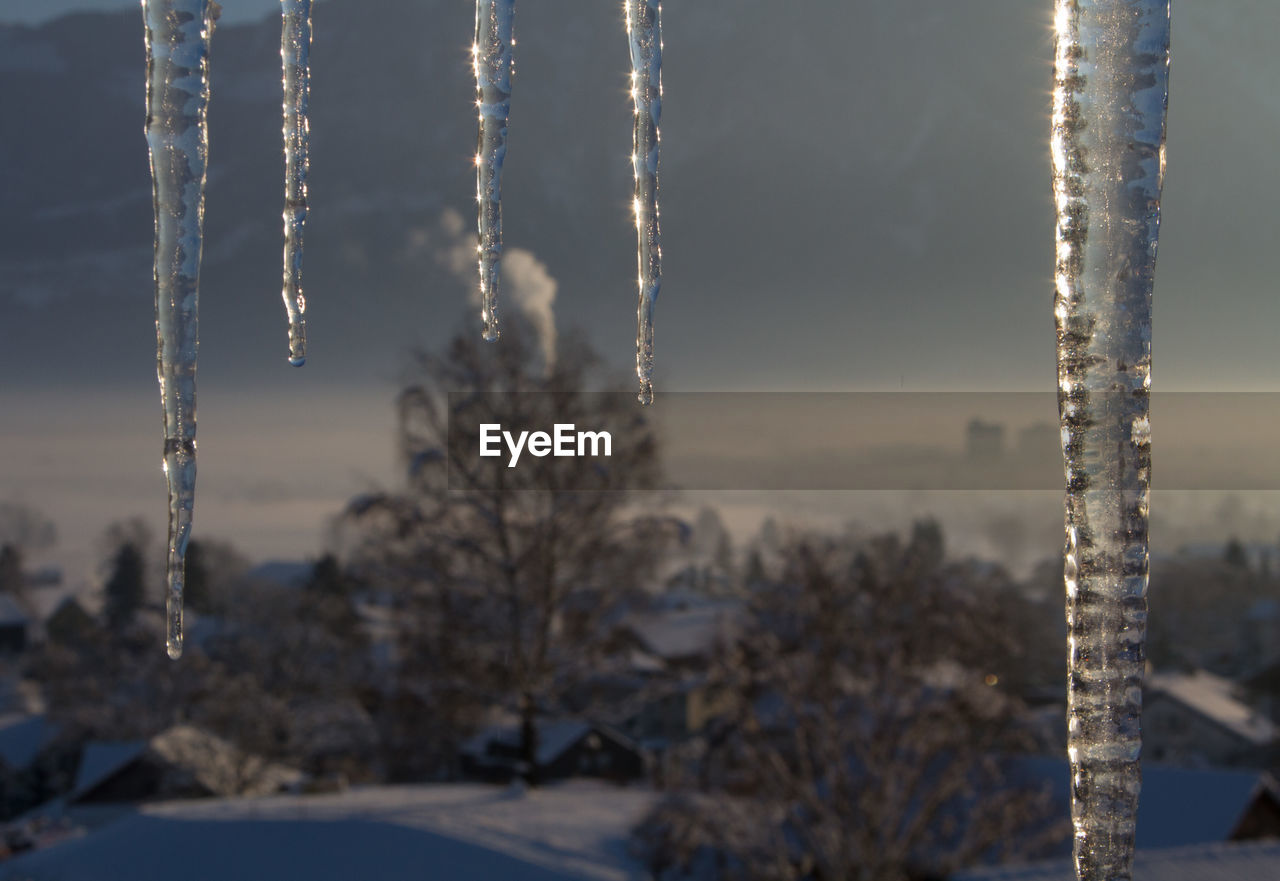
x=646, y=392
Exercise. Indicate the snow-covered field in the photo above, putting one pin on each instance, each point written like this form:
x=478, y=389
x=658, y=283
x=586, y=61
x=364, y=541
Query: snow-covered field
x=574, y=832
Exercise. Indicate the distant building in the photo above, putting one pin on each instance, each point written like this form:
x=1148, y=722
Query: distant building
x=675, y=713
x=1179, y=806
x=983, y=441
x=1197, y=719
x=181, y=762
x=47, y=604
x=69, y=623
x=565, y=748
x=676, y=639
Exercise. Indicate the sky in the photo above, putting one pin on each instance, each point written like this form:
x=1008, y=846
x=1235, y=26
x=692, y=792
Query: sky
x=860, y=201
x=39, y=11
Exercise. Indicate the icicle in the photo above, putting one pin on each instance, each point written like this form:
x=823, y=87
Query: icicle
x=295, y=52
x=491, y=58
x=644, y=30
x=177, y=37
x=1110, y=96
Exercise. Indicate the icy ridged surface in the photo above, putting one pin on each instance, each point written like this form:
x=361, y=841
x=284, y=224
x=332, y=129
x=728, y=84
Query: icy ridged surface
x=1110, y=95
x=177, y=39
x=491, y=54
x=295, y=59
x=644, y=30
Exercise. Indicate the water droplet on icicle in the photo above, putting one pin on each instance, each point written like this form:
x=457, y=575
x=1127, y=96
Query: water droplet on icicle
x=1110, y=98
x=491, y=58
x=644, y=31
x=177, y=39
x=295, y=58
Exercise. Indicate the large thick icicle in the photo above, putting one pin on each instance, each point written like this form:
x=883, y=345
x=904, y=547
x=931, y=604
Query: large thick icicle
x=295, y=59
x=1110, y=96
x=644, y=30
x=177, y=37
x=491, y=58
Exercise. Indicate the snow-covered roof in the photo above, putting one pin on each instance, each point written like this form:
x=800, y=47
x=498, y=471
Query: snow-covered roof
x=22, y=737
x=102, y=758
x=643, y=662
x=212, y=762
x=1245, y=861
x=683, y=633
x=1212, y=696
x=554, y=737
x=1180, y=806
x=571, y=832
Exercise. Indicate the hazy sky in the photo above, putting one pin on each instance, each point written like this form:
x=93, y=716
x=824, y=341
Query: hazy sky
x=856, y=195
x=37, y=11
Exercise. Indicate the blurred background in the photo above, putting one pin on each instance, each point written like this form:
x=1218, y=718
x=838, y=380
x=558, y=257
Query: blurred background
x=855, y=197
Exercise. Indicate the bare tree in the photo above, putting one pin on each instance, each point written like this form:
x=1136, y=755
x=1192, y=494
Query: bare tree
x=866, y=739
x=501, y=573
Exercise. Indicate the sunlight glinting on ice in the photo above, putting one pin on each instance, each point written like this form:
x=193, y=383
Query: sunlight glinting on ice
x=491, y=62
x=644, y=31
x=177, y=36
x=1108, y=125
x=295, y=52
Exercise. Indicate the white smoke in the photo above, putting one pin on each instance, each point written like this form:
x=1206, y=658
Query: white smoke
x=526, y=284
x=533, y=291
x=458, y=248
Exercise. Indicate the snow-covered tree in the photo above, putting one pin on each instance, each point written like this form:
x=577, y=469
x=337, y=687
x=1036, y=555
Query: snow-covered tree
x=502, y=574
x=865, y=738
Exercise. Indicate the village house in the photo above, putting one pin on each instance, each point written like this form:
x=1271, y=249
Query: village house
x=1198, y=719
x=180, y=762
x=565, y=748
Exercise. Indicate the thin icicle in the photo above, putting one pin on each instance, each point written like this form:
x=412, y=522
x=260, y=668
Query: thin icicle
x=295, y=59
x=1110, y=96
x=644, y=30
x=177, y=37
x=491, y=58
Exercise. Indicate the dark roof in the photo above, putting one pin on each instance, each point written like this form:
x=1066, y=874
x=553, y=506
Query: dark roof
x=101, y=759
x=22, y=738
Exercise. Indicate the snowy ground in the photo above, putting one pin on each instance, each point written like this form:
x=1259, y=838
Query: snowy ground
x=575, y=832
